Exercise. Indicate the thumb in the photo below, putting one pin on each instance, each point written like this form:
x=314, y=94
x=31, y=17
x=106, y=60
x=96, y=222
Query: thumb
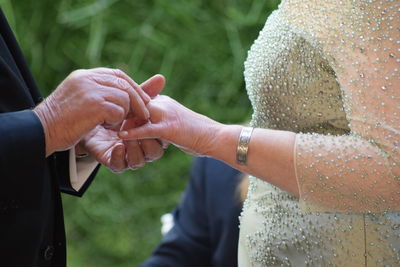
x=154, y=85
x=147, y=131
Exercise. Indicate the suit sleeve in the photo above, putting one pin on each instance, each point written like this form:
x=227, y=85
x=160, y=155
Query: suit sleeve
x=22, y=159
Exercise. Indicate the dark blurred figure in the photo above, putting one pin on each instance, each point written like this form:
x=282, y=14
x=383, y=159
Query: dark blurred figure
x=206, y=224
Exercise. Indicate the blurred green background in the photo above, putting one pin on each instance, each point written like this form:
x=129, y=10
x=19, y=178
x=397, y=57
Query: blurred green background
x=200, y=47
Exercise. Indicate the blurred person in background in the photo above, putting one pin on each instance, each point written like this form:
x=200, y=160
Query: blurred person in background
x=205, y=225
x=324, y=147
x=56, y=144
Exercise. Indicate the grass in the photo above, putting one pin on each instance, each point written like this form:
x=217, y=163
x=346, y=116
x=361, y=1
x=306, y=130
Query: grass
x=199, y=45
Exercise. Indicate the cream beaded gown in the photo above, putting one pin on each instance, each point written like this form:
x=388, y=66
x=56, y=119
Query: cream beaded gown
x=329, y=71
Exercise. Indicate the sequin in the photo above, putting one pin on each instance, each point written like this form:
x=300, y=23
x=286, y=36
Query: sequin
x=335, y=65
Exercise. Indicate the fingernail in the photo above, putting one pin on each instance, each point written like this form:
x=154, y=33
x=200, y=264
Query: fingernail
x=149, y=159
x=136, y=166
x=123, y=134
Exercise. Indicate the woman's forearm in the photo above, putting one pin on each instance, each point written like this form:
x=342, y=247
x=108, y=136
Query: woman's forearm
x=328, y=167
x=270, y=155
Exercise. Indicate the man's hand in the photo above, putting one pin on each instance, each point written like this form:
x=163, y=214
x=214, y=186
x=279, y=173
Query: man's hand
x=118, y=155
x=85, y=99
x=106, y=147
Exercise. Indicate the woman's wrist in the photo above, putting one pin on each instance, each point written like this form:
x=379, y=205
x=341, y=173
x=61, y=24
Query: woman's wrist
x=224, y=144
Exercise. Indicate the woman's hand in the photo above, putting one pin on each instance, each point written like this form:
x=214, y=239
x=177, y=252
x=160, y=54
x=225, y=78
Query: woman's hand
x=176, y=124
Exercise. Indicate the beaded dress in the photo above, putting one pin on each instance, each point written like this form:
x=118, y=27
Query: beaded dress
x=329, y=71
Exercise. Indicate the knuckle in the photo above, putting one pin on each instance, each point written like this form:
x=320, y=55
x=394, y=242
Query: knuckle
x=102, y=79
x=96, y=79
x=117, y=113
x=118, y=72
x=77, y=78
x=79, y=73
x=75, y=72
x=94, y=101
x=122, y=84
x=107, y=110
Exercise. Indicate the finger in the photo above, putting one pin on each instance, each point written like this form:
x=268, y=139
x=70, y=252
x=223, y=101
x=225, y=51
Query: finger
x=134, y=154
x=117, y=97
x=147, y=131
x=154, y=85
x=113, y=114
x=152, y=149
x=137, y=106
x=123, y=75
x=117, y=127
x=131, y=123
x=117, y=160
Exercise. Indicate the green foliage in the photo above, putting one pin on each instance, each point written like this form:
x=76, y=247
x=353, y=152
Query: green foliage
x=199, y=45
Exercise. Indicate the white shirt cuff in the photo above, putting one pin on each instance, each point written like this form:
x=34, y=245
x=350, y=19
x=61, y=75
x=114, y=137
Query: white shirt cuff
x=80, y=169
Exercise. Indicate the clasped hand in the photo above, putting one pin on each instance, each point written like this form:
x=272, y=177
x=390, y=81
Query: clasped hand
x=90, y=107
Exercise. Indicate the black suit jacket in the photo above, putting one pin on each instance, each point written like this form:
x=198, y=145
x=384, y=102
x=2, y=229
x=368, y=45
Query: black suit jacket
x=31, y=219
x=206, y=223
